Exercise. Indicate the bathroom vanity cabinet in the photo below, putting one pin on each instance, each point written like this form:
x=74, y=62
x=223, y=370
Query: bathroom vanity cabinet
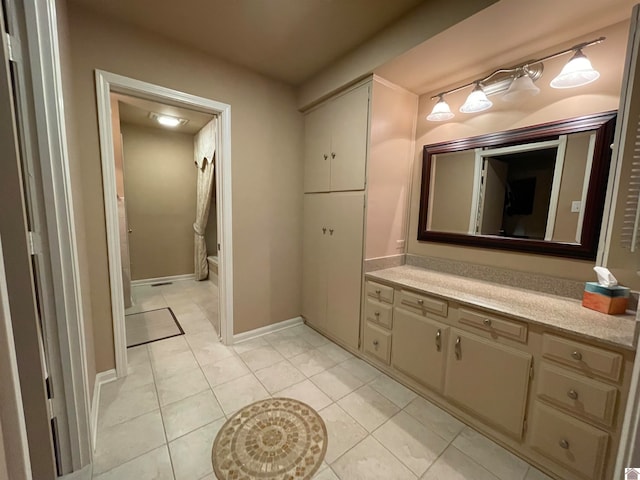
x=540, y=375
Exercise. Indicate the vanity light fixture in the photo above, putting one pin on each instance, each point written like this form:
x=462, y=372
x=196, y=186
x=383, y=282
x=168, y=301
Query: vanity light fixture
x=167, y=120
x=518, y=82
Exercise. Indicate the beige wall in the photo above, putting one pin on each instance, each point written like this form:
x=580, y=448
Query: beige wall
x=160, y=190
x=393, y=112
x=550, y=105
x=422, y=23
x=452, y=191
x=266, y=147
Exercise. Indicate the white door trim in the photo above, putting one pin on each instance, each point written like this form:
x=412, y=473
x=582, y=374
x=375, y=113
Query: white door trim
x=107, y=82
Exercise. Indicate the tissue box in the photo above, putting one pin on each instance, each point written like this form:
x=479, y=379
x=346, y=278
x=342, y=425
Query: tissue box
x=610, y=300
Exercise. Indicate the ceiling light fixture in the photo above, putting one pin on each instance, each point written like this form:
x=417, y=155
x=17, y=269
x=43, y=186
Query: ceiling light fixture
x=167, y=120
x=441, y=111
x=518, y=82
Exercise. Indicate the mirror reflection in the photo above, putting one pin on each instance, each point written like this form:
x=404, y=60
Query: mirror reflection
x=533, y=190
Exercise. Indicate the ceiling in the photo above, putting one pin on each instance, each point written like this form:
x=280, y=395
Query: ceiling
x=290, y=40
x=486, y=40
x=136, y=111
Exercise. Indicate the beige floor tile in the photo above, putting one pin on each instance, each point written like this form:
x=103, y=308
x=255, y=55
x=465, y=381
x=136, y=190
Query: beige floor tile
x=455, y=465
x=249, y=345
x=343, y=432
x=535, y=474
x=208, y=349
x=335, y=352
x=225, y=370
x=174, y=388
x=326, y=474
x=145, y=327
x=306, y=392
x=368, y=407
x=411, y=442
x=502, y=463
x=369, y=460
x=154, y=465
x=137, y=355
x=360, y=369
x=434, y=418
x=190, y=413
x=240, y=392
x=163, y=349
x=191, y=453
x=175, y=364
x=313, y=362
x=398, y=394
x=138, y=375
x=261, y=358
x=279, y=376
x=118, y=405
x=336, y=382
x=125, y=441
x=290, y=346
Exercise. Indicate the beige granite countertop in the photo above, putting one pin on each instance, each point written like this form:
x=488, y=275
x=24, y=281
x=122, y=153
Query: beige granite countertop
x=559, y=313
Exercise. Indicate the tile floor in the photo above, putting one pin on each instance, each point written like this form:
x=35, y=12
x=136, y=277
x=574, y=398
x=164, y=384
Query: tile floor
x=160, y=422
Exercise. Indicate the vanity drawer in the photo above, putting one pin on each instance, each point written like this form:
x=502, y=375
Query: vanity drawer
x=377, y=342
x=423, y=303
x=382, y=293
x=494, y=324
x=582, y=396
x=379, y=312
x=568, y=441
x=590, y=360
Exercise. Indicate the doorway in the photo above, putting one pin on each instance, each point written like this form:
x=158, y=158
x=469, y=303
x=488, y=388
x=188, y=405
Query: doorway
x=151, y=290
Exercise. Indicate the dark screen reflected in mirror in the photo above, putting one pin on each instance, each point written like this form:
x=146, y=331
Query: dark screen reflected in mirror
x=538, y=189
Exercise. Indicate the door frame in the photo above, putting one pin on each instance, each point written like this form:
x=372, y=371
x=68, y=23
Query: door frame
x=106, y=83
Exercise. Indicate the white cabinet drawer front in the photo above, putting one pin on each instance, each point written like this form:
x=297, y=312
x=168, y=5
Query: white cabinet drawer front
x=497, y=326
x=379, y=312
x=419, y=348
x=377, y=342
x=590, y=360
x=582, y=396
x=380, y=292
x=423, y=303
x=568, y=441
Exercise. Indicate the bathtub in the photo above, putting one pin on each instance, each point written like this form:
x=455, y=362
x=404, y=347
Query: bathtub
x=213, y=269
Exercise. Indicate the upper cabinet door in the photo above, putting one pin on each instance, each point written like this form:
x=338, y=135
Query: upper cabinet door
x=317, y=150
x=349, y=138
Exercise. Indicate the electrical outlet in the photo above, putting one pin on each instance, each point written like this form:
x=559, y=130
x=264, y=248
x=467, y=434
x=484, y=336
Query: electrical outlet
x=576, y=205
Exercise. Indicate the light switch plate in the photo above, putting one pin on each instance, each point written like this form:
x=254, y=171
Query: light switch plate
x=576, y=205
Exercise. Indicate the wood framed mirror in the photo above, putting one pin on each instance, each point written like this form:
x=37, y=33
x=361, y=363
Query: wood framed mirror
x=538, y=189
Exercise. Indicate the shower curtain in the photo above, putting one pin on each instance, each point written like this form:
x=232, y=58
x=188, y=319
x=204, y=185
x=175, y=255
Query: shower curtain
x=204, y=150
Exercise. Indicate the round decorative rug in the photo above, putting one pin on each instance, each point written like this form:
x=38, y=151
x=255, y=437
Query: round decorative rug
x=277, y=438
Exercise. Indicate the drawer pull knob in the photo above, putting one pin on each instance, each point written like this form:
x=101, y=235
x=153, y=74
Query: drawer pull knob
x=375, y=343
x=576, y=355
x=420, y=302
x=378, y=291
x=572, y=394
x=487, y=322
x=377, y=314
x=564, y=444
x=325, y=156
x=439, y=340
x=458, y=349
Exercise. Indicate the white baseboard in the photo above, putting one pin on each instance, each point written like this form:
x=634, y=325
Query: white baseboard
x=84, y=474
x=259, y=332
x=101, y=379
x=172, y=278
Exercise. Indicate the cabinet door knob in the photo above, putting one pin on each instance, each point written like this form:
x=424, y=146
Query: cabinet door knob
x=439, y=340
x=576, y=355
x=326, y=156
x=324, y=230
x=458, y=348
x=378, y=291
x=333, y=154
x=377, y=314
x=572, y=394
x=564, y=444
x=420, y=302
x=375, y=343
x=487, y=322
x=331, y=231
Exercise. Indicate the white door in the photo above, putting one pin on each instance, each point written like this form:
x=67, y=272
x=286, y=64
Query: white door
x=494, y=185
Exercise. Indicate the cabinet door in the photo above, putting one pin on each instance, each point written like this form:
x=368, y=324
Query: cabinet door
x=489, y=379
x=317, y=150
x=314, y=256
x=419, y=347
x=349, y=138
x=344, y=263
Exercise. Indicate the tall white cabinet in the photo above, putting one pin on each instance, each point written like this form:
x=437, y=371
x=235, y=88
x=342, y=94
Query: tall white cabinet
x=336, y=139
